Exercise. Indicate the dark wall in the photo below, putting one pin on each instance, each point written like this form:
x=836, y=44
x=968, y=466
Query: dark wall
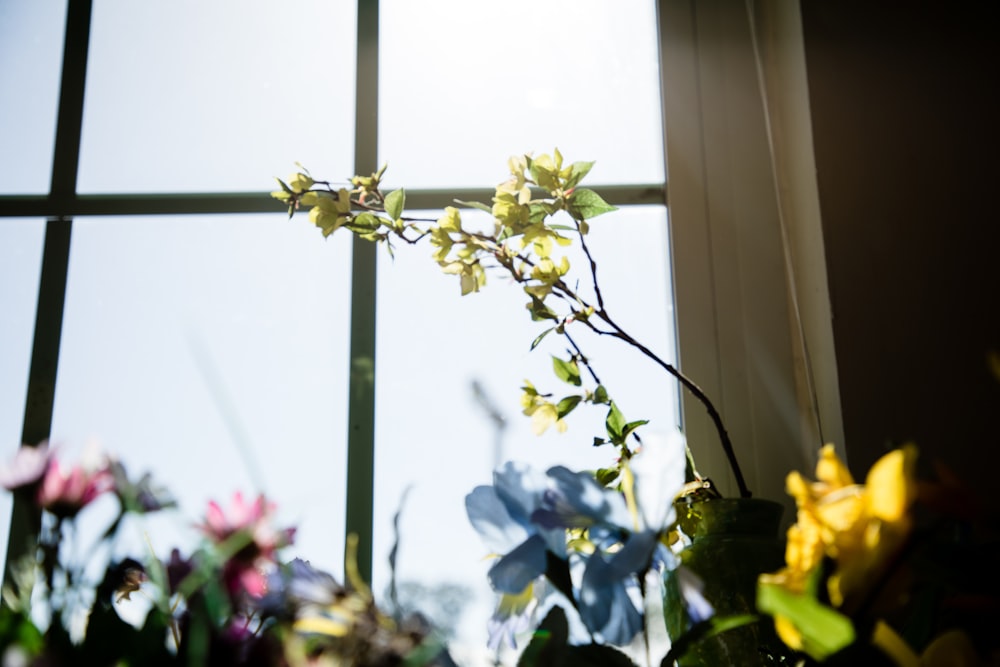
x=905, y=122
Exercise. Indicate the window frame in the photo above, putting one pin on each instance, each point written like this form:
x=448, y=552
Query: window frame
x=731, y=311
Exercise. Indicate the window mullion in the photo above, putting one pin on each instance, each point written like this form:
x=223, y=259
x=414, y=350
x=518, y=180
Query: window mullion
x=25, y=518
x=361, y=401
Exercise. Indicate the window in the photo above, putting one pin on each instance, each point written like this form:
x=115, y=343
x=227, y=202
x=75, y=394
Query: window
x=209, y=340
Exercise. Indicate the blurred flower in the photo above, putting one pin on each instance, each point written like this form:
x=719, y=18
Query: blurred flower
x=857, y=528
x=625, y=530
x=296, y=585
x=65, y=492
x=178, y=568
x=502, y=514
x=248, y=529
x=142, y=496
x=514, y=614
x=26, y=467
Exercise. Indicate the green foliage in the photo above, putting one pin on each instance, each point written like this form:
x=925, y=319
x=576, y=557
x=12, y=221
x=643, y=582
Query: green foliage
x=618, y=428
x=567, y=405
x=704, y=630
x=549, y=647
x=585, y=204
x=825, y=631
x=537, y=211
x=394, y=202
x=567, y=371
x=16, y=629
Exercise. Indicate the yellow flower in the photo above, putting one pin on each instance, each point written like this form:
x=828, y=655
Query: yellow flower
x=856, y=527
x=543, y=413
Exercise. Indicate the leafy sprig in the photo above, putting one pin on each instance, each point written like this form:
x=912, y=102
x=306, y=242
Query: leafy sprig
x=524, y=243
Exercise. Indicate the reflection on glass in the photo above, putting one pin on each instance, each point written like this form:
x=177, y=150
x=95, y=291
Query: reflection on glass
x=31, y=44
x=433, y=435
x=211, y=351
x=219, y=95
x=480, y=81
x=20, y=264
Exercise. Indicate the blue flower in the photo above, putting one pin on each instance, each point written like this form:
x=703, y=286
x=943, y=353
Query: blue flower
x=502, y=515
x=624, y=531
x=577, y=500
x=514, y=615
x=525, y=515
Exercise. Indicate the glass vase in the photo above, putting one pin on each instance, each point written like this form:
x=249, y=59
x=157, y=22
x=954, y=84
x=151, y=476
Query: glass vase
x=733, y=540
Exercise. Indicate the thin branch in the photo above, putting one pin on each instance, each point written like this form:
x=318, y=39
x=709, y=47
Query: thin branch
x=582, y=357
x=593, y=266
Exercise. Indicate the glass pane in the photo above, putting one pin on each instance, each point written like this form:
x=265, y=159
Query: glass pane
x=434, y=436
x=483, y=81
x=218, y=96
x=20, y=264
x=31, y=46
x=212, y=352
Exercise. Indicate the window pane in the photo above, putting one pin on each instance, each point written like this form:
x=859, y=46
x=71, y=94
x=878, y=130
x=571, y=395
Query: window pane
x=218, y=96
x=31, y=46
x=20, y=265
x=212, y=351
x=482, y=81
x=433, y=435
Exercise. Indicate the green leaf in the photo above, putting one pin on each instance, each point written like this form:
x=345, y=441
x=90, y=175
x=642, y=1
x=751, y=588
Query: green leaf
x=567, y=371
x=631, y=426
x=474, y=204
x=539, y=337
x=577, y=171
x=705, y=630
x=566, y=405
x=585, y=204
x=363, y=222
x=548, y=641
x=536, y=213
x=601, y=394
x=614, y=423
x=606, y=475
x=539, y=311
x=394, y=202
x=824, y=630
x=597, y=655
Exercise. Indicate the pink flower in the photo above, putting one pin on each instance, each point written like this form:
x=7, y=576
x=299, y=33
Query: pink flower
x=65, y=493
x=26, y=468
x=244, y=571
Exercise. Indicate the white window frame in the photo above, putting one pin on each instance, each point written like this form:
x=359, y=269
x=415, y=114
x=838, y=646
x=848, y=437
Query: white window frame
x=753, y=316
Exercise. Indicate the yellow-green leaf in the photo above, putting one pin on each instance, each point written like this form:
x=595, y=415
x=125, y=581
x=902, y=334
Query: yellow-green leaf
x=394, y=202
x=585, y=204
x=824, y=630
x=577, y=171
x=567, y=371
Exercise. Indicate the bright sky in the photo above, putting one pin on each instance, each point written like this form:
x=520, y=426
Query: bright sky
x=212, y=350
